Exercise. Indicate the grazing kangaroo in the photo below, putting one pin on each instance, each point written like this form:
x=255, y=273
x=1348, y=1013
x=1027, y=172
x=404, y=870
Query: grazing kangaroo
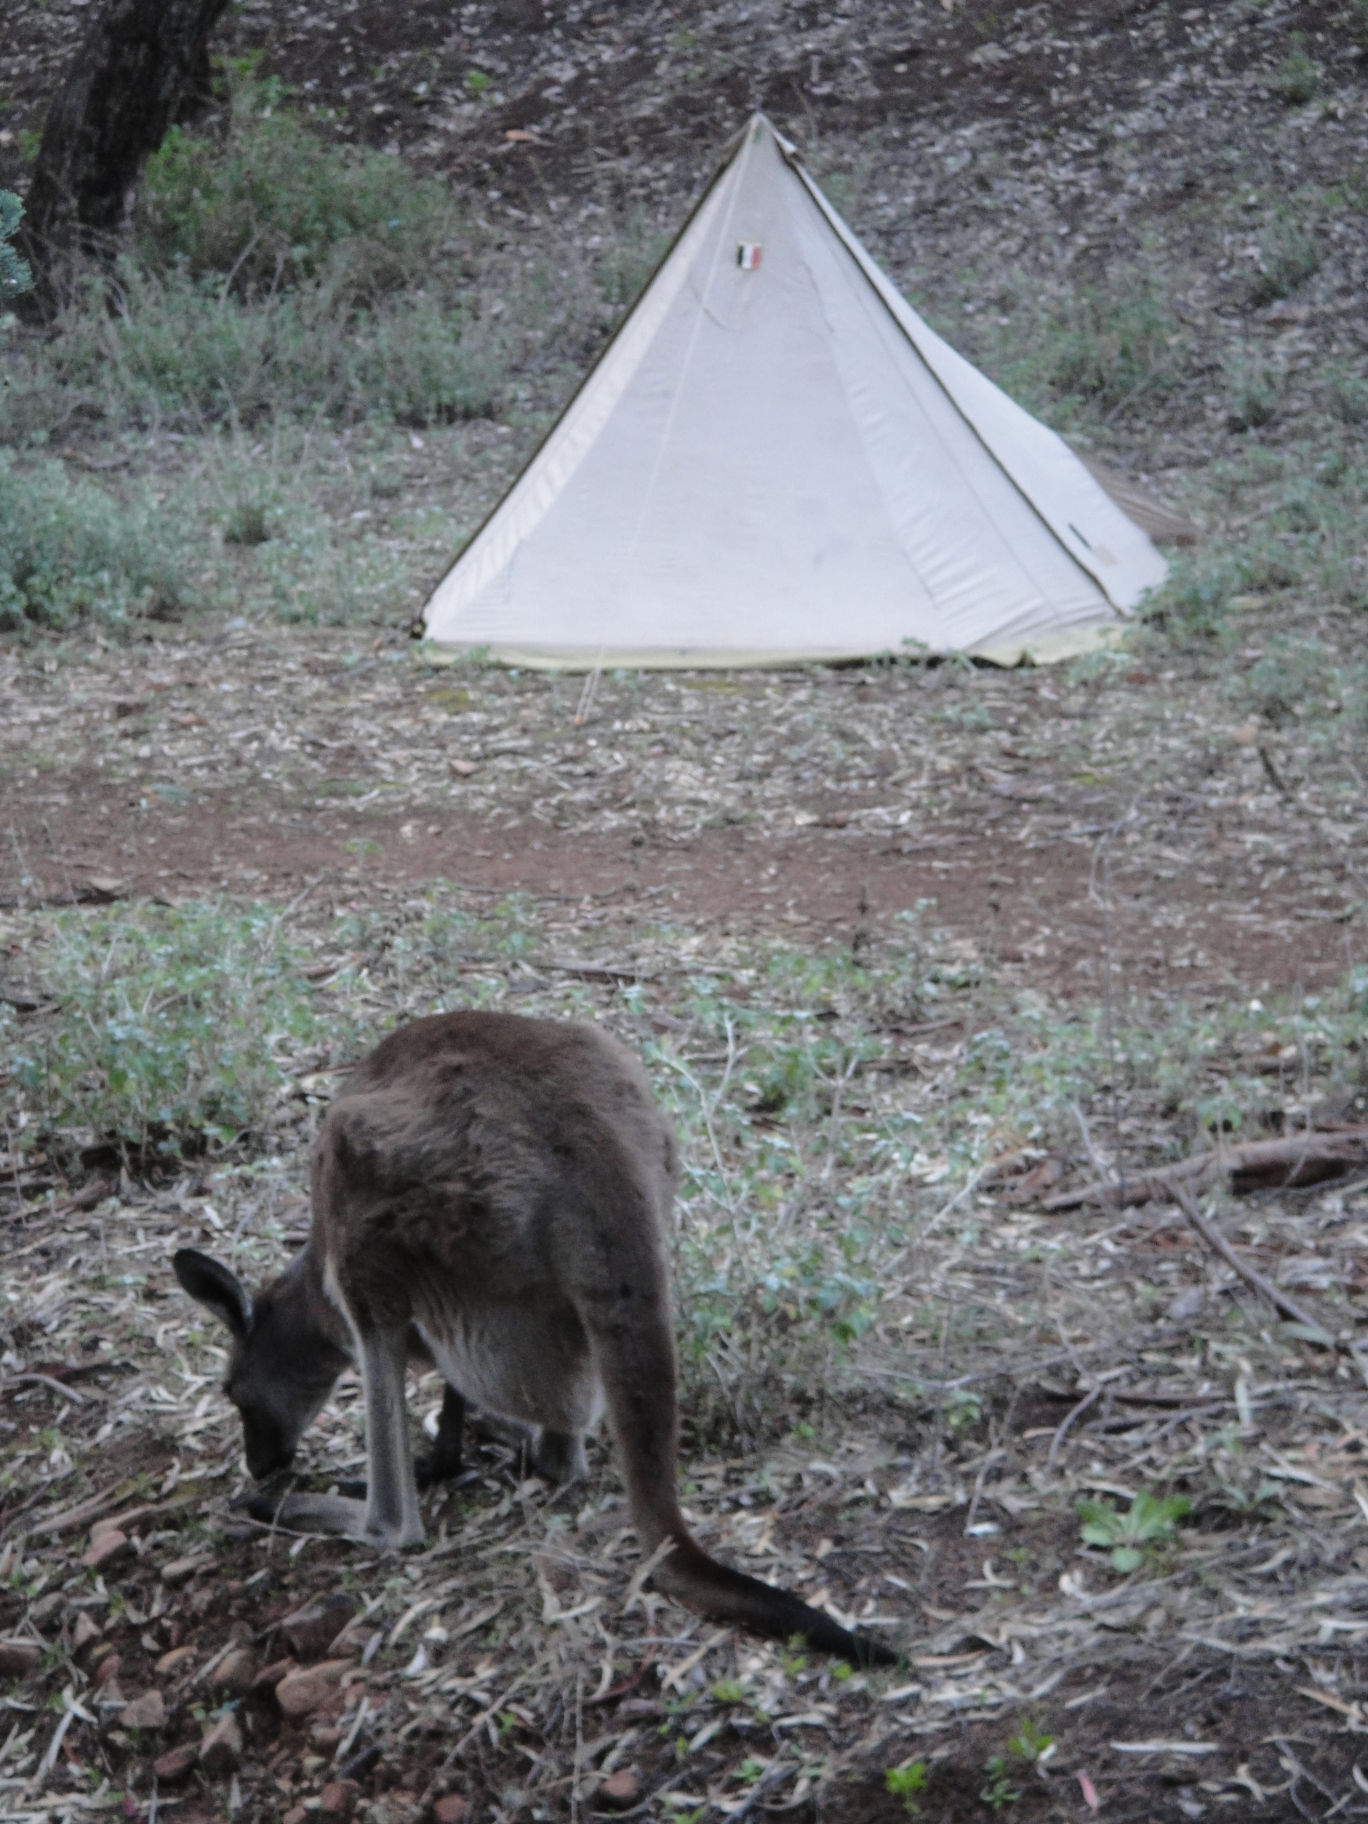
x=491, y=1192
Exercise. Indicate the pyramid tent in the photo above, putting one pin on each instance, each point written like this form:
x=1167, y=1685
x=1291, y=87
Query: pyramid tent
x=775, y=459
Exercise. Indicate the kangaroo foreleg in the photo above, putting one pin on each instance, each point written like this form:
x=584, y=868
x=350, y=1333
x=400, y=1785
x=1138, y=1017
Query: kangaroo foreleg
x=389, y=1514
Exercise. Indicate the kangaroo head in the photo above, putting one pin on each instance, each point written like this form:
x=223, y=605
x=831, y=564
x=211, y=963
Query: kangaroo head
x=284, y=1357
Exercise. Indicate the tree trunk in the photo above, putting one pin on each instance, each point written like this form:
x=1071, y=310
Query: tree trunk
x=138, y=62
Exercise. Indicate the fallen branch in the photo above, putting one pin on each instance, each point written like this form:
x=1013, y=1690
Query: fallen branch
x=1291, y=1159
x=1284, y=1305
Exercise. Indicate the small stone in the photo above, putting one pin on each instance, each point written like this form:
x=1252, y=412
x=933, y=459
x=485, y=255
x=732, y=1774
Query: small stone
x=310, y=1631
x=175, y=1763
x=220, y=1753
x=462, y=769
x=620, y=1789
x=181, y=1570
x=325, y=1737
x=301, y=1692
x=174, y=1661
x=85, y=1632
x=145, y=1712
x=106, y=1549
x=338, y=1799
x=234, y=1673
x=270, y=1676
x=19, y=1657
x=107, y=1670
x=295, y=1815
x=451, y=1808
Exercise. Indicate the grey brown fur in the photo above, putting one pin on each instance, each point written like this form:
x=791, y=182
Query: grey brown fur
x=491, y=1192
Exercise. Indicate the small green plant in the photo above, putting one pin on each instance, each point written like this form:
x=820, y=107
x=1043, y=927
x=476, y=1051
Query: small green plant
x=246, y=524
x=1150, y=1520
x=998, y=1792
x=1030, y=1744
x=477, y=83
x=1254, y=390
x=1298, y=76
x=14, y=272
x=1348, y=394
x=908, y=1783
x=1290, y=252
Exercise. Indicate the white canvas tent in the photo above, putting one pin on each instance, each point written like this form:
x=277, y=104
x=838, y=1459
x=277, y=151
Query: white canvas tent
x=776, y=459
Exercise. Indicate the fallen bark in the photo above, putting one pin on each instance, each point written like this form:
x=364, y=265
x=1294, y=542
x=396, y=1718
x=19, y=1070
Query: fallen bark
x=1291, y=1159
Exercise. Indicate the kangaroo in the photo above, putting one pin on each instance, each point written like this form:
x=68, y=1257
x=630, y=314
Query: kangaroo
x=491, y=1192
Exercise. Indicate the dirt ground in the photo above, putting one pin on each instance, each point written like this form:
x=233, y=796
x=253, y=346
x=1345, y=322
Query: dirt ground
x=1057, y=828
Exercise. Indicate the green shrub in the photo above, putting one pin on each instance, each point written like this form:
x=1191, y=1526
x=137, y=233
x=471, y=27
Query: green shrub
x=266, y=203
x=14, y=273
x=67, y=549
x=1254, y=392
x=1096, y=346
x=182, y=353
x=1298, y=76
x=1290, y=252
x=1107, y=344
x=176, y=1028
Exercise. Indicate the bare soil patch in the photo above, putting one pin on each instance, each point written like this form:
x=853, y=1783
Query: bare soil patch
x=1055, y=827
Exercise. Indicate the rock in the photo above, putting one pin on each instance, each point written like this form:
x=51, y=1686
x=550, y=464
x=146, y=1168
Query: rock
x=19, y=1657
x=220, y=1753
x=176, y=1660
x=270, y=1676
x=310, y=1631
x=295, y=1815
x=234, y=1673
x=84, y=1633
x=181, y=1570
x=620, y=1789
x=106, y=1549
x=338, y=1799
x=145, y=1712
x=451, y=1808
x=173, y=1766
x=301, y=1692
x=107, y=1670
x=325, y=1737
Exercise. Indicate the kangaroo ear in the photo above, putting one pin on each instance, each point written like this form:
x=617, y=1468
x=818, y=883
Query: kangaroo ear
x=210, y=1283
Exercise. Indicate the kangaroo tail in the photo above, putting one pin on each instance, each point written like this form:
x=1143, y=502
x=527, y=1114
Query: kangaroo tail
x=723, y=1594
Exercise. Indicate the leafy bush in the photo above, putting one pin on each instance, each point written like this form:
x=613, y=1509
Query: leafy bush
x=184, y=353
x=1290, y=252
x=1298, y=76
x=266, y=203
x=1105, y=345
x=67, y=549
x=176, y=1029
x=14, y=273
